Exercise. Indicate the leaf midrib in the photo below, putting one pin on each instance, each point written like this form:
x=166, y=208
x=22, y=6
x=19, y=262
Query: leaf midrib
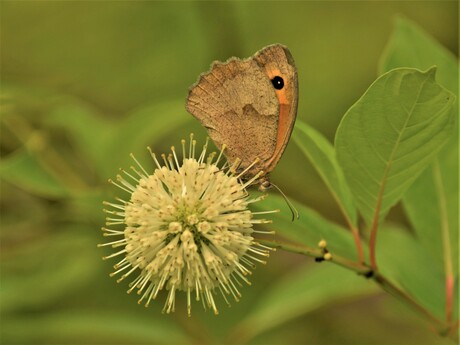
x=390, y=158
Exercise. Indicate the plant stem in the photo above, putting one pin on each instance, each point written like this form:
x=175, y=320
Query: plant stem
x=443, y=328
x=317, y=253
x=373, y=238
x=354, y=230
x=449, y=275
x=359, y=247
x=293, y=248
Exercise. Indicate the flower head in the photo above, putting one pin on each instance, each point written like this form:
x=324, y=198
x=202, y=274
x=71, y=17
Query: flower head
x=187, y=227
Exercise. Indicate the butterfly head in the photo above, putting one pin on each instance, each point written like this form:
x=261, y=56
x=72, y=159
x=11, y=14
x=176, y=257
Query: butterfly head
x=264, y=183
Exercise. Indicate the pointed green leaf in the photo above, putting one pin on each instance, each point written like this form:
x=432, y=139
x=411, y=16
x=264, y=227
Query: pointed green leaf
x=410, y=46
x=301, y=292
x=432, y=207
x=321, y=154
x=390, y=135
x=432, y=202
x=24, y=171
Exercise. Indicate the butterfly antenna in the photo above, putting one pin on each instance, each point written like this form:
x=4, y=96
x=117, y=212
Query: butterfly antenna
x=294, y=212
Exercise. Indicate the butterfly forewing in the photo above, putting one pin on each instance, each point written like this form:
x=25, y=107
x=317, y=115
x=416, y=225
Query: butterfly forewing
x=239, y=105
x=231, y=101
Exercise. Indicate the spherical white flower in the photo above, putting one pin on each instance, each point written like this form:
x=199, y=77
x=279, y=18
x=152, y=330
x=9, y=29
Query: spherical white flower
x=187, y=227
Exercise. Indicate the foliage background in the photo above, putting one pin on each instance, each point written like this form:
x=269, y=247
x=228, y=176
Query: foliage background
x=85, y=83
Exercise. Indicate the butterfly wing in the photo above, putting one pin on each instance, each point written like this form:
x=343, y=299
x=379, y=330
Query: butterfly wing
x=236, y=102
x=239, y=105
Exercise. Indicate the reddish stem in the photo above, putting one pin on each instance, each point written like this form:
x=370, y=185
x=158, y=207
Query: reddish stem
x=446, y=243
x=359, y=247
x=373, y=238
x=356, y=237
x=449, y=298
x=372, y=243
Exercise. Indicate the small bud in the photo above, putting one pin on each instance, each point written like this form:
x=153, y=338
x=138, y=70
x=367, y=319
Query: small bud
x=327, y=256
x=322, y=244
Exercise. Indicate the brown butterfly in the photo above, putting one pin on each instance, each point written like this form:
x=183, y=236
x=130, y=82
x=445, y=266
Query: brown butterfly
x=250, y=106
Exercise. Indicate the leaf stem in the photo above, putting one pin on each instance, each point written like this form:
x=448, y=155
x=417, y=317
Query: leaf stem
x=449, y=274
x=354, y=231
x=352, y=227
x=375, y=225
x=359, y=247
x=372, y=245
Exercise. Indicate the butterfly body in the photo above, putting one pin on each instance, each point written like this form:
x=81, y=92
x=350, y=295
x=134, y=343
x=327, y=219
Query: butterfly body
x=249, y=105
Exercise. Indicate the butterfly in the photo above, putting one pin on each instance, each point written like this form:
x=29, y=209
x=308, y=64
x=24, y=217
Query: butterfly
x=250, y=105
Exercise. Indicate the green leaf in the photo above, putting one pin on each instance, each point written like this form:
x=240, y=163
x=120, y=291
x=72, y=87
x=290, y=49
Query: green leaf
x=88, y=131
x=108, y=144
x=432, y=207
x=401, y=258
x=146, y=126
x=390, y=135
x=91, y=327
x=432, y=201
x=62, y=264
x=24, y=171
x=410, y=46
x=321, y=154
x=301, y=292
x=310, y=228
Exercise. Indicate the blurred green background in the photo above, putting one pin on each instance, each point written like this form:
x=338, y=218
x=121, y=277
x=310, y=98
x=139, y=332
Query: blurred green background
x=85, y=83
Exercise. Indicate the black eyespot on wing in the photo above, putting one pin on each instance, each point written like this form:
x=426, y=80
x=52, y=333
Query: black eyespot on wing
x=278, y=82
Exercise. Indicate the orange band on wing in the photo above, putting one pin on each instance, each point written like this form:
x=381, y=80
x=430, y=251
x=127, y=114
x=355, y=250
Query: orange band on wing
x=283, y=126
x=283, y=120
